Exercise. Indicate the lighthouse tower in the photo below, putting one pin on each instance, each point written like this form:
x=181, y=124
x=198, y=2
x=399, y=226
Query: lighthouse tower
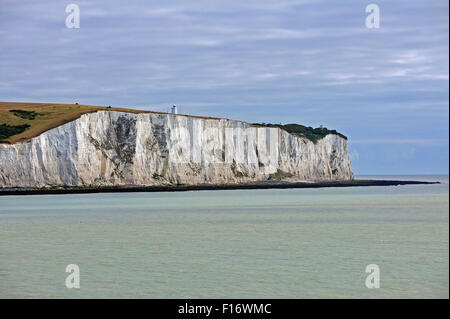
x=174, y=109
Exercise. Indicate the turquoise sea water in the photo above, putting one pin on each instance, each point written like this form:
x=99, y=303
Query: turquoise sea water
x=286, y=243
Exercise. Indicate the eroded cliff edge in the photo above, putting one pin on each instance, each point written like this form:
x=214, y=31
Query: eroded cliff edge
x=119, y=148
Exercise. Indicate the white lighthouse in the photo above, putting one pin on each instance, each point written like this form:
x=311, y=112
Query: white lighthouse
x=174, y=109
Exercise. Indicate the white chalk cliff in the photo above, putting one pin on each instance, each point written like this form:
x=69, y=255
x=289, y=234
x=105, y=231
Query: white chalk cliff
x=118, y=148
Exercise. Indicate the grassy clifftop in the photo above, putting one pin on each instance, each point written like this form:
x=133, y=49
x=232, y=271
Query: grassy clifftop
x=22, y=121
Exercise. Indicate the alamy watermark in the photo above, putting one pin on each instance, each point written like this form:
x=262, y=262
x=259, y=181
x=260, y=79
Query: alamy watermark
x=73, y=280
x=73, y=19
x=212, y=145
x=373, y=17
x=373, y=279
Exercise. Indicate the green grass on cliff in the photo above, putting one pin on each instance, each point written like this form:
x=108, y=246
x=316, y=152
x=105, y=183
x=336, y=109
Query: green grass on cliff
x=312, y=134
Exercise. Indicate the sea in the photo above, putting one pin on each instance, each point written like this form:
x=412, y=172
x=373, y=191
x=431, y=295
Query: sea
x=269, y=243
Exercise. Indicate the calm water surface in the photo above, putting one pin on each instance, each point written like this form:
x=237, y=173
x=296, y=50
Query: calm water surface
x=291, y=243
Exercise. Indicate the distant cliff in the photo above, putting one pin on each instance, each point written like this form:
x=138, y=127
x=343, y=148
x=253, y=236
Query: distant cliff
x=121, y=148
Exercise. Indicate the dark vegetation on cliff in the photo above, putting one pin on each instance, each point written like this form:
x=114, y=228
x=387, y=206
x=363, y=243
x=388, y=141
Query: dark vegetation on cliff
x=7, y=130
x=10, y=130
x=27, y=115
x=313, y=134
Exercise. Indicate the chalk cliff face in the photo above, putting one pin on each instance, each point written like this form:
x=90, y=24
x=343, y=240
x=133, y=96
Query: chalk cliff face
x=118, y=148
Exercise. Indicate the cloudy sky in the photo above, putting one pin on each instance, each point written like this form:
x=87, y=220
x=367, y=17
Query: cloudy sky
x=306, y=61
